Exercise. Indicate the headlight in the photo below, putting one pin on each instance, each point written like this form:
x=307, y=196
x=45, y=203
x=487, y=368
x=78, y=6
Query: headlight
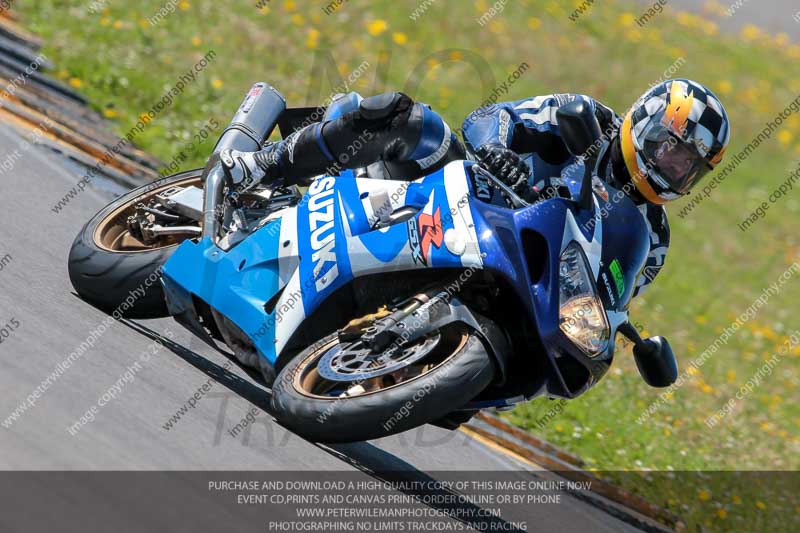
x=581, y=314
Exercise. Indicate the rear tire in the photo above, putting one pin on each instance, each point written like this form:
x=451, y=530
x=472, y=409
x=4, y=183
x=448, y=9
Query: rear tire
x=108, y=279
x=448, y=386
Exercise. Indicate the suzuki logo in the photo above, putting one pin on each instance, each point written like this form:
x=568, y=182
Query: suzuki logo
x=323, y=235
x=430, y=231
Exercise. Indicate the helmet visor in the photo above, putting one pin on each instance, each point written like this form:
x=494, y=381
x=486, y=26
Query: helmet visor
x=675, y=162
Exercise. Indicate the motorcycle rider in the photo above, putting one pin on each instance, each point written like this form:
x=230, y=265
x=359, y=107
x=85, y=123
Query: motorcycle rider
x=671, y=137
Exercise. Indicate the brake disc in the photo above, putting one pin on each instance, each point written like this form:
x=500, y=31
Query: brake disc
x=356, y=361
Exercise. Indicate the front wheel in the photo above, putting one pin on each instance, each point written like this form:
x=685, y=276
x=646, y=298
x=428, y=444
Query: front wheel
x=335, y=392
x=113, y=269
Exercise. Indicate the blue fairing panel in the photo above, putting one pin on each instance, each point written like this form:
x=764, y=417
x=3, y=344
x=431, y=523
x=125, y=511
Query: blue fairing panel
x=236, y=283
x=613, y=233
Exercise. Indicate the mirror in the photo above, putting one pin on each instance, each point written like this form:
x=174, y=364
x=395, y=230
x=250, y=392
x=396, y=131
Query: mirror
x=656, y=362
x=579, y=127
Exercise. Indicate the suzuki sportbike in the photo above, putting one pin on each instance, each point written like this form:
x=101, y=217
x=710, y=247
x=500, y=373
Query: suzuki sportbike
x=372, y=306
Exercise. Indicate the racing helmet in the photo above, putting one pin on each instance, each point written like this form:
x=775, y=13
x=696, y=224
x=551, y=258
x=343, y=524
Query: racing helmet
x=672, y=137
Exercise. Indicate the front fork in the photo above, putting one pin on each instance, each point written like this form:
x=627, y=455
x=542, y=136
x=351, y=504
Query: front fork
x=430, y=311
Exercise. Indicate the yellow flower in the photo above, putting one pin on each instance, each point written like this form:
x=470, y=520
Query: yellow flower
x=704, y=495
x=684, y=18
x=76, y=83
x=118, y=25
x=634, y=35
x=701, y=319
x=559, y=428
x=312, y=38
x=264, y=10
x=217, y=83
x=143, y=23
x=455, y=55
x=693, y=371
x=534, y=23
x=751, y=32
x=761, y=505
x=706, y=388
x=627, y=20
x=183, y=6
x=376, y=27
x=785, y=137
x=399, y=38
x=736, y=500
x=105, y=21
x=731, y=376
x=290, y=6
x=109, y=112
x=710, y=28
x=298, y=19
x=781, y=40
x=722, y=513
x=62, y=74
x=724, y=87
x=765, y=426
x=197, y=41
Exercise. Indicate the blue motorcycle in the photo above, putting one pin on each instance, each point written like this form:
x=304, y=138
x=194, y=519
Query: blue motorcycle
x=372, y=306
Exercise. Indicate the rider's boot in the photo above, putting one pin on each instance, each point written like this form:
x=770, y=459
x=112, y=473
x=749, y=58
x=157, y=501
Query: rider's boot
x=291, y=159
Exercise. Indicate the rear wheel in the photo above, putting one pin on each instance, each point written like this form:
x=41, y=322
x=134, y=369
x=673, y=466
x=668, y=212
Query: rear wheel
x=342, y=392
x=117, y=271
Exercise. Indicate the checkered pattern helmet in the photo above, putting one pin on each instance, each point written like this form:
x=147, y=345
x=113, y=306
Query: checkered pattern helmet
x=674, y=135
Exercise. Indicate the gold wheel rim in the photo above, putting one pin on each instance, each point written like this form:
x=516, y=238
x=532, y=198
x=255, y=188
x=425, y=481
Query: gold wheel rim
x=112, y=234
x=305, y=380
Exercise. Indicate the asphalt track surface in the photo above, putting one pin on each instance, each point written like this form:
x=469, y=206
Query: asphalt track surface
x=128, y=432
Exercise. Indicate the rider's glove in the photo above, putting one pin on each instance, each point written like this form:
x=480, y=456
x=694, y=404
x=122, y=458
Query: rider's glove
x=245, y=170
x=506, y=165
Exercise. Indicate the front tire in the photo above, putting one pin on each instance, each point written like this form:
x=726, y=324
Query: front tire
x=106, y=268
x=449, y=384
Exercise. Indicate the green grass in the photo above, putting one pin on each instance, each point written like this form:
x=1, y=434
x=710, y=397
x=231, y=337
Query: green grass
x=714, y=271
